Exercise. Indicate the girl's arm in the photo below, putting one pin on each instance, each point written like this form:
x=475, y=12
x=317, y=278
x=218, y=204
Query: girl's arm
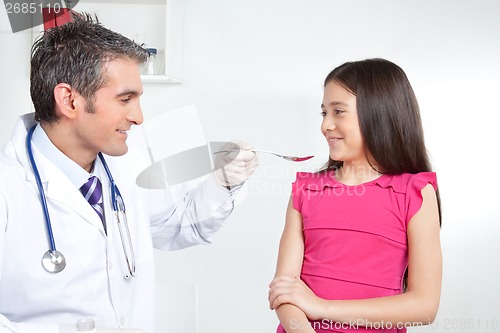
x=418, y=305
x=290, y=256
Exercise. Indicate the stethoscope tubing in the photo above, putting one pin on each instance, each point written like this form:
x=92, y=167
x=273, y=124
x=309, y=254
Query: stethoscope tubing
x=115, y=192
x=119, y=205
x=40, y=190
x=53, y=260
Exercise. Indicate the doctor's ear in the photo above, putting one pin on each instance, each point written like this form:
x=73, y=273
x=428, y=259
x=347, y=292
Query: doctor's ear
x=66, y=100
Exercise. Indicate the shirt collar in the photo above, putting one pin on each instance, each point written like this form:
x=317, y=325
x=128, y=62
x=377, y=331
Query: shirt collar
x=75, y=173
x=383, y=181
x=327, y=179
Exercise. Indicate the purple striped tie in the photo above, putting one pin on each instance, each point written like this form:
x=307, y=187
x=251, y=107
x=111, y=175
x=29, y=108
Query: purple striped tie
x=92, y=191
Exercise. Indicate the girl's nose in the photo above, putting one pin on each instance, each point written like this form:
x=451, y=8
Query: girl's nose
x=327, y=125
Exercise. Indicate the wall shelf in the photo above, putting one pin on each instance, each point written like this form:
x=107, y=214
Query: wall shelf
x=159, y=79
x=154, y=23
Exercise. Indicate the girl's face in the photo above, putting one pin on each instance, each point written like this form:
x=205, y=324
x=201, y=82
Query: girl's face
x=340, y=125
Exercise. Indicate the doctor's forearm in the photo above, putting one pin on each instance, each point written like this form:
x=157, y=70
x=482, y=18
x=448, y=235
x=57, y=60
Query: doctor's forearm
x=197, y=216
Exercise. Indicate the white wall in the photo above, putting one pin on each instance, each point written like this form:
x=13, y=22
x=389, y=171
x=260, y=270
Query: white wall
x=255, y=68
x=14, y=81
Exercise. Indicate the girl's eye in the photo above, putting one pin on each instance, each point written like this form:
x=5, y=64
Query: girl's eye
x=336, y=112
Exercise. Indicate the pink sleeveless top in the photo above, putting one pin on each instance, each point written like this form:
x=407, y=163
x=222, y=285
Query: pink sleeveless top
x=355, y=243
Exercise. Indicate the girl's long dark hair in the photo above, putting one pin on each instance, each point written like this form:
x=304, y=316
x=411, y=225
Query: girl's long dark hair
x=389, y=116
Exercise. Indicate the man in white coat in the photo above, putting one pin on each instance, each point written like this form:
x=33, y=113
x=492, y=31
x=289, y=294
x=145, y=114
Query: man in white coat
x=85, y=87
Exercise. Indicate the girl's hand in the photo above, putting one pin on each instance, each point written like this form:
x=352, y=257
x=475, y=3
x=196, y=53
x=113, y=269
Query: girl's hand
x=285, y=289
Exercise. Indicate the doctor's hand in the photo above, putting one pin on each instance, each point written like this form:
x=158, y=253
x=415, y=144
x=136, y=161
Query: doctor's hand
x=285, y=289
x=234, y=168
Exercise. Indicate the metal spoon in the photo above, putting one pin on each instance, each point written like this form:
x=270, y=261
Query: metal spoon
x=288, y=158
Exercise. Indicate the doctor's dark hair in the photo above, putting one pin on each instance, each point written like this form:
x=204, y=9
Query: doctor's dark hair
x=388, y=115
x=75, y=53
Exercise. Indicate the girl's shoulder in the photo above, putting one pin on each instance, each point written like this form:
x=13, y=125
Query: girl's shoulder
x=411, y=185
x=406, y=182
x=314, y=180
x=405, y=190
x=402, y=183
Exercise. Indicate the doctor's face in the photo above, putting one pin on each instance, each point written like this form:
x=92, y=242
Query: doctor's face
x=103, y=125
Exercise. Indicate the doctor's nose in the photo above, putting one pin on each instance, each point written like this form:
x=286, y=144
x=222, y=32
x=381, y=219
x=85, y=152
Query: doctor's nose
x=135, y=116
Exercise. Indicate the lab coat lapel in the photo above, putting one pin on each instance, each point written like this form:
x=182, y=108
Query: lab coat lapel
x=60, y=189
x=56, y=185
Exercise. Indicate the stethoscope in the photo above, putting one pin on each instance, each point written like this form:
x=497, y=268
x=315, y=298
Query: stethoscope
x=54, y=261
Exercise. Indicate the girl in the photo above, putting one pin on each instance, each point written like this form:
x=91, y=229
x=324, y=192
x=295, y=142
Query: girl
x=360, y=250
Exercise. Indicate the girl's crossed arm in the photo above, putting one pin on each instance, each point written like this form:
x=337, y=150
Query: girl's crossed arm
x=290, y=256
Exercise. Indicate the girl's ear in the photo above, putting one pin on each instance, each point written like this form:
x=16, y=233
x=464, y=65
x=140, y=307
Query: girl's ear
x=67, y=101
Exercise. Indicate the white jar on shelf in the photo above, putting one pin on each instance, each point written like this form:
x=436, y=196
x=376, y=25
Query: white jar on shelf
x=155, y=64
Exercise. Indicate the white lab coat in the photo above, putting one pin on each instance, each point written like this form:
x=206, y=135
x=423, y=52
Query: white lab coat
x=93, y=283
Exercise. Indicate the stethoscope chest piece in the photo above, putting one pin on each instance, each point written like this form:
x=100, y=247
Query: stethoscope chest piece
x=53, y=261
